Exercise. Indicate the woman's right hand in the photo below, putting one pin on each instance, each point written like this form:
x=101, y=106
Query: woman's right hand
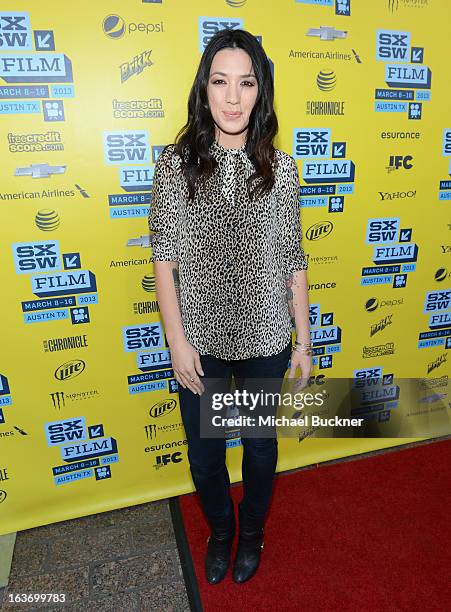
x=186, y=365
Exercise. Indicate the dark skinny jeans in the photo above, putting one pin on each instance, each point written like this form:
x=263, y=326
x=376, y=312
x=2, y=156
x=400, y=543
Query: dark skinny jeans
x=207, y=456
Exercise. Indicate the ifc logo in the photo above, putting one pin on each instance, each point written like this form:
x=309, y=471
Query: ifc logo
x=47, y=220
x=326, y=80
x=113, y=26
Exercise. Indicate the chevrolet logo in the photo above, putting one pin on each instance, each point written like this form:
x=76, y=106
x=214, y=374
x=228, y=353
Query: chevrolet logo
x=40, y=170
x=327, y=33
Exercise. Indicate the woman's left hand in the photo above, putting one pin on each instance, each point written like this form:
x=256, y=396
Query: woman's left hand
x=304, y=362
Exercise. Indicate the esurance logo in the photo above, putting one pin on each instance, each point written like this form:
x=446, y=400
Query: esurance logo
x=404, y=72
x=438, y=306
x=324, y=161
x=394, y=254
x=208, y=26
x=130, y=146
x=15, y=31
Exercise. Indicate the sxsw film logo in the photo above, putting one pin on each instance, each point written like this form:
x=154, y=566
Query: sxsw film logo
x=376, y=394
x=62, y=288
x=407, y=77
x=325, y=336
x=152, y=358
x=394, y=254
x=15, y=31
x=35, y=67
x=85, y=451
x=342, y=7
x=142, y=337
x=140, y=178
x=147, y=341
x=208, y=26
x=328, y=175
x=27, y=69
x=445, y=185
x=437, y=306
x=128, y=146
x=397, y=162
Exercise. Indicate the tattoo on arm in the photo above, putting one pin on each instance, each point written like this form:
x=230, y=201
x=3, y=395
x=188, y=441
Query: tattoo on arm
x=175, y=276
x=289, y=295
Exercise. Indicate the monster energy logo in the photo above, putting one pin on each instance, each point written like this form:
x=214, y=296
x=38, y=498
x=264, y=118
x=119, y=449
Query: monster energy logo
x=58, y=399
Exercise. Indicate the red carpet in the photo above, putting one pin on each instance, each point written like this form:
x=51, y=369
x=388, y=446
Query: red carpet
x=366, y=534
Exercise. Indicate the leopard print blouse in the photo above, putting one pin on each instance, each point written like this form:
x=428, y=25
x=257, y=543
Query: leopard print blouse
x=233, y=255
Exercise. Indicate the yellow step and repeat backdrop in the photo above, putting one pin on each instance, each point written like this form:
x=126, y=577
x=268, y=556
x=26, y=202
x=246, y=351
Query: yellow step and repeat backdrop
x=89, y=96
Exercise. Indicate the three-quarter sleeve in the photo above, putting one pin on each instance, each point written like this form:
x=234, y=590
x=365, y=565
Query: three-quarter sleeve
x=164, y=210
x=293, y=255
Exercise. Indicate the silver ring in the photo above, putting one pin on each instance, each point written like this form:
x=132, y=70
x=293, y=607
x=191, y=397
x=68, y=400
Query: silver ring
x=192, y=379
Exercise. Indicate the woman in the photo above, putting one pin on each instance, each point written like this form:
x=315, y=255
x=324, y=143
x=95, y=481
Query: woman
x=230, y=275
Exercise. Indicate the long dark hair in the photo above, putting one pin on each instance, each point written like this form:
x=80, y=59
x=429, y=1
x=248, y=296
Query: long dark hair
x=195, y=137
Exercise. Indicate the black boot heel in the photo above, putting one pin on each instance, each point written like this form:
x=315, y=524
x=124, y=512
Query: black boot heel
x=219, y=546
x=250, y=546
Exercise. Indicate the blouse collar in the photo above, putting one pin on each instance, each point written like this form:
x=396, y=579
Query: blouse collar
x=230, y=173
x=221, y=154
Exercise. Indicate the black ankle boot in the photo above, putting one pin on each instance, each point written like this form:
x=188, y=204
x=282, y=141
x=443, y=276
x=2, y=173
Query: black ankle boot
x=219, y=545
x=250, y=545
